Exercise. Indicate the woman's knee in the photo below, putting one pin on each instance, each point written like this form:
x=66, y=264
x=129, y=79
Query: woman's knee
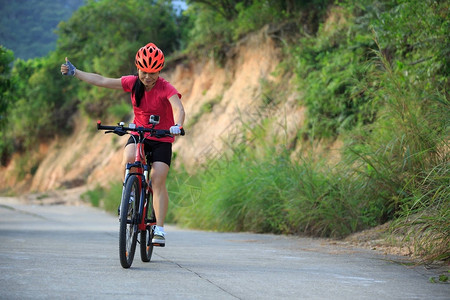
x=158, y=180
x=159, y=174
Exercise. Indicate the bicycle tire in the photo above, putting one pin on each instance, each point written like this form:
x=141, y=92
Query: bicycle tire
x=146, y=244
x=129, y=222
x=146, y=236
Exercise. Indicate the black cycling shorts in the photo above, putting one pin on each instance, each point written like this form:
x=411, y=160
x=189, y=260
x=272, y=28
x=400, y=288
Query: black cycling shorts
x=159, y=151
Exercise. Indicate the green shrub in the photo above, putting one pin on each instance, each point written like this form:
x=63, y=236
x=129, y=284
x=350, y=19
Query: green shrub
x=120, y=112
x=332, y=68
x=107, y=198
x=94, y=196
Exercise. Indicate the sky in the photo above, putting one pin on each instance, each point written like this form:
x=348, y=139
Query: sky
x=179, y=5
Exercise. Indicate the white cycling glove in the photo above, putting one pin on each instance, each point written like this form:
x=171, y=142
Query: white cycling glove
x=176, y=129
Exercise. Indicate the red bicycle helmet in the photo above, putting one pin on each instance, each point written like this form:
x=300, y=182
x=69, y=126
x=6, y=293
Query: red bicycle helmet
x=149, y=59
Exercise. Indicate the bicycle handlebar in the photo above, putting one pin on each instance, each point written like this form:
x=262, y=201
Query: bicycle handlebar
x=121, y=130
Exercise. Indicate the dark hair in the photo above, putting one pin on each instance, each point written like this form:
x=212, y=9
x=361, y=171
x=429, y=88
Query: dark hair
x=138, y=90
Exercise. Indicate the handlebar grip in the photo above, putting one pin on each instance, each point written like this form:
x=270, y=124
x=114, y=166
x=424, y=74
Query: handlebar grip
x=103, y=127
x=182, y=131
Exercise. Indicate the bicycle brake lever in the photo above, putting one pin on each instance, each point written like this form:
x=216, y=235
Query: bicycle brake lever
x=119, y=132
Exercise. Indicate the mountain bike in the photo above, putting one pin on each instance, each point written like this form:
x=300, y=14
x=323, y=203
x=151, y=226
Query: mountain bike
x=137, y=194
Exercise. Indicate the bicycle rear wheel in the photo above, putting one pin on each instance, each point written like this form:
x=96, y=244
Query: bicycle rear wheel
x=146, y=244
x=129, y=222
x=147, y=235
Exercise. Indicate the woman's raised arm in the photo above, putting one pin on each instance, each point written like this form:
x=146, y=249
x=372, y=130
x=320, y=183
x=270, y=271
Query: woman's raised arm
x=91, y=78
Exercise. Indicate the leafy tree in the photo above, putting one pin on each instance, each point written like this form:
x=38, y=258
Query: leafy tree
x=40, y=109
x=226, y=8
x=225, y=22
x=416, y=32
x=6, y=91
x=230, y=9
x=6, y=58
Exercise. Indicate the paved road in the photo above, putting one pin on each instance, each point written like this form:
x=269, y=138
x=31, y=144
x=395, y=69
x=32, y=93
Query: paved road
x=71, y=252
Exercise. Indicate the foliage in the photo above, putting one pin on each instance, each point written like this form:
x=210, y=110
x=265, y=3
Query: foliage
x=332, y=70
x=417, y=34
x=225, y=22
x=6, y=58
x=107, y=198
x=93, y=196
x=227, y=9
x=27, y=27
x=40, y=110
x=6, y=95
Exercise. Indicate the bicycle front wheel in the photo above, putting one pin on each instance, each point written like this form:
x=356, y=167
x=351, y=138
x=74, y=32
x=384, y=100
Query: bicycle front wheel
x=129, y=221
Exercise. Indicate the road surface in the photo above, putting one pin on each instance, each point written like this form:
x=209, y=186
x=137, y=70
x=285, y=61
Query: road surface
x=71, y=252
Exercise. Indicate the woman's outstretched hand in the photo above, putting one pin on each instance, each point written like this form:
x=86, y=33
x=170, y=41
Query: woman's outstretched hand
x=68, y=68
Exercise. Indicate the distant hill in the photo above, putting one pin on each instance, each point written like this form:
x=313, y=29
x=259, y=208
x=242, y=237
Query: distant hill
x=27, y=27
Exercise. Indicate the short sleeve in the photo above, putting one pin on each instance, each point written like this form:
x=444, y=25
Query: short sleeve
x=171, y=90
x=128, y=82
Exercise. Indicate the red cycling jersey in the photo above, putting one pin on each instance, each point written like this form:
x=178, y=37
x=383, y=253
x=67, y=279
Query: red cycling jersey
x=154, y=102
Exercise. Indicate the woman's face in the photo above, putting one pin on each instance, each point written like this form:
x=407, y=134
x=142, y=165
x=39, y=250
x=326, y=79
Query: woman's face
x=148, y=79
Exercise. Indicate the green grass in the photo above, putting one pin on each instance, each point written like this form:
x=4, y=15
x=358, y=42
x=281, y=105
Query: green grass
x=107, y=198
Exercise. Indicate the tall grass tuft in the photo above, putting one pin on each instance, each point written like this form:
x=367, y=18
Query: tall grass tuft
x=107, y=198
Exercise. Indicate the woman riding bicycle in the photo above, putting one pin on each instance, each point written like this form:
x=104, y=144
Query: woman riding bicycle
x=150, y=95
